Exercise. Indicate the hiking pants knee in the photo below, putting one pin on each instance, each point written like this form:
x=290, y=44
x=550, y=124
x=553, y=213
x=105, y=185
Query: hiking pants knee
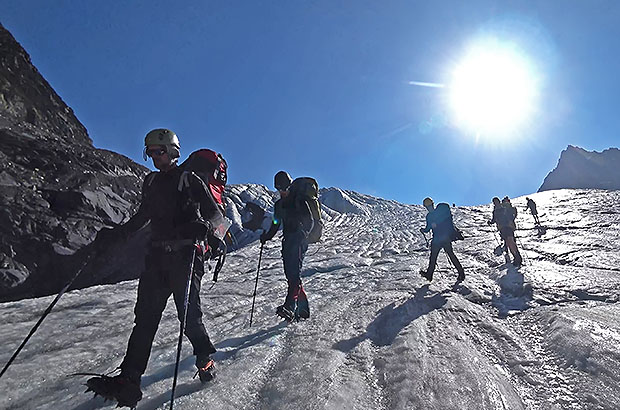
x=447, y=247
x=294, y=246
x=165, y=274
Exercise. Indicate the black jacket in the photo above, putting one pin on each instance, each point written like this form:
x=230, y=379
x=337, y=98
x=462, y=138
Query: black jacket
x=173, y=213
x=292, y=214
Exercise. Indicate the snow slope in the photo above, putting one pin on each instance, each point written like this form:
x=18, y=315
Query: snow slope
x=545, y=336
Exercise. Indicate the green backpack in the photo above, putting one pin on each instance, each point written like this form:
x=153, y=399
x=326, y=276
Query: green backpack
x=307, y=189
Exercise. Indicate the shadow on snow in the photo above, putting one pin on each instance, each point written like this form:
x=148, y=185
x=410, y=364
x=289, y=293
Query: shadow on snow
x=390, y=320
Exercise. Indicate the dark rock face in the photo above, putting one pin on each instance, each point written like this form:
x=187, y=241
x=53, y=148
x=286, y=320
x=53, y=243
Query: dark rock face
x=56, y=189
x=578, y=168
x=26, y=97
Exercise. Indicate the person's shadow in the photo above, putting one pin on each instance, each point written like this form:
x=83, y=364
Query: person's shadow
x=514, y=293
x=390, y=320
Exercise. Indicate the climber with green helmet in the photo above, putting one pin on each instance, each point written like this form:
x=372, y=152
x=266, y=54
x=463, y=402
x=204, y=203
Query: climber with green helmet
x=180, y=219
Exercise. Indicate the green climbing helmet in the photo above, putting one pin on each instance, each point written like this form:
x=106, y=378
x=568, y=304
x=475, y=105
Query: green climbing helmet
x=165, y=137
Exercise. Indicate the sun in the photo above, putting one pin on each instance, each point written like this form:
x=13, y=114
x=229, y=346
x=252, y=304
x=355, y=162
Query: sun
x=493, y=92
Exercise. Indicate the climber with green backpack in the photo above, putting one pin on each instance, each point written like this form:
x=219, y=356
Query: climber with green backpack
x=299, y=213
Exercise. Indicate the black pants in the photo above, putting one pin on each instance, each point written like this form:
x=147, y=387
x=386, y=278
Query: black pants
x=436, y=246
x=165, y=274
x=294, y=247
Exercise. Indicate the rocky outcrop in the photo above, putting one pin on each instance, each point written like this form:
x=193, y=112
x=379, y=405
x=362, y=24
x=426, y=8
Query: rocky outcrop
x=578, y=168
x=56, y=189
x=26, y=97
x=54, y=197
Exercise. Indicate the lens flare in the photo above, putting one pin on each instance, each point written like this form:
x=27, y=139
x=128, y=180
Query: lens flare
x=494, y=90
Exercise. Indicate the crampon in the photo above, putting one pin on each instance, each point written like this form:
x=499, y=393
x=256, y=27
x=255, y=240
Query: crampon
x=124, y=391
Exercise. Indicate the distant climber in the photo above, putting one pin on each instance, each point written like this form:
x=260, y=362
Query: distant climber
x=298, y=212
x=532, y=207
x=504, y=215
x=439, y=219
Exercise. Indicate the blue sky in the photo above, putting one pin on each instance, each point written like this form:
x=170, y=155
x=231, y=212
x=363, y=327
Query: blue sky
x=322, y=88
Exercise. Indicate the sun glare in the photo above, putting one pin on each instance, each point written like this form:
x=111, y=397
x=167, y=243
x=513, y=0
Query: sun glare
x=493, y=91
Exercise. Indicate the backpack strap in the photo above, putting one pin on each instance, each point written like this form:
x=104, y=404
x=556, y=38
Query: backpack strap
x=183, y=181
x=148, y=180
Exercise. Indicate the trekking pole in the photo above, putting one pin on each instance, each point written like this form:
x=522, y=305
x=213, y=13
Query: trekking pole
x=260, y=256
x=496, y=240
x=47, y=312
x=180, y=342
x=521, y=246
x=425, y=239
x=450, y=263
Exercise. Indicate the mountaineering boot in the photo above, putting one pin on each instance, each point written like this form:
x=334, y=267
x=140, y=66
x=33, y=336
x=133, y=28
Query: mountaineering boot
x=206, y=368
x=302, y=312
x=285, y=313
x=122, y=388
x=426, y=276
x=303, y=308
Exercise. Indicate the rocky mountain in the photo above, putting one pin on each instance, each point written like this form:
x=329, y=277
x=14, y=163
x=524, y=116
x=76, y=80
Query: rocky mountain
x=57, y=190
x=578, y=168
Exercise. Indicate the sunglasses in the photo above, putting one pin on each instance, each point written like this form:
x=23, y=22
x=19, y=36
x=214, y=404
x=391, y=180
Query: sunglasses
x=155, y=152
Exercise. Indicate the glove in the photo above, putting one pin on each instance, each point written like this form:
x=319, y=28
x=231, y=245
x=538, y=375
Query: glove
x=198, y=229
x=105, y=235
x=263, y=238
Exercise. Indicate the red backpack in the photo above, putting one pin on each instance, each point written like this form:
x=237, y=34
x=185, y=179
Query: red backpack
x=212, y=168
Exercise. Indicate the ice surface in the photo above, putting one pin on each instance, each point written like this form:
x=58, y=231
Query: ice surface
x=545, y=336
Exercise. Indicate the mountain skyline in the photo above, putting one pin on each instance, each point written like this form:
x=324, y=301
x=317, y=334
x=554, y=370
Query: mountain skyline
x=357, y=96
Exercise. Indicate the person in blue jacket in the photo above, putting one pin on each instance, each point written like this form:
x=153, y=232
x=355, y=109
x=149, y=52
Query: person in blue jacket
x=439, y=220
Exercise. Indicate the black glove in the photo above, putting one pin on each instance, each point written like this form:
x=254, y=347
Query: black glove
x=199, y=229
x=105, y=235
x=263, y=238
